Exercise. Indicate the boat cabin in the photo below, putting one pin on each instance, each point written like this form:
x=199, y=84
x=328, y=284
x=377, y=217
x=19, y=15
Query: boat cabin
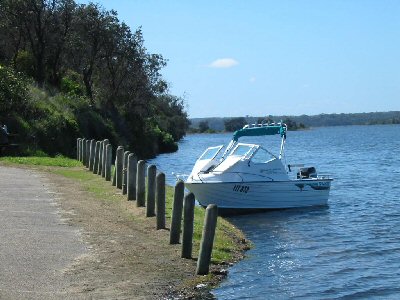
x=247, y=161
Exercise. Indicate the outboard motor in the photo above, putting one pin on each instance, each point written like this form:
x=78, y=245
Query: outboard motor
x=307, y=172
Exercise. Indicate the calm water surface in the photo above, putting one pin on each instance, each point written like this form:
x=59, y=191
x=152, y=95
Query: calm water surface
x=347, y=250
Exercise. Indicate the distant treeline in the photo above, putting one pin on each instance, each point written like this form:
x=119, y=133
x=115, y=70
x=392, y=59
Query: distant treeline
x=70, y=70
x=300, y=122
x=233, y=124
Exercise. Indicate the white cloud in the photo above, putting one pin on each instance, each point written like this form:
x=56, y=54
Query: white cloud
x=223, y=63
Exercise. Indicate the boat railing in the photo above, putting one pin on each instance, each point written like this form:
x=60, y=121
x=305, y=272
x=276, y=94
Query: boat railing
x=236, y=173
x=316, y=177
x=180, y=176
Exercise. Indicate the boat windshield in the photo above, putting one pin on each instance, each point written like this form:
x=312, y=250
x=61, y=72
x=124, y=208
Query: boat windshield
x=262, y=156
x=210, y=153
x=241, y=150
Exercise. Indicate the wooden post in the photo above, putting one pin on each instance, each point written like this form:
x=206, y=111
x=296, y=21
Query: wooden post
x=188, y=219
x=83, y=151
x=87, y=153
x=151, y=191
x=131, y=174
x=207, y=240
x=124, y=172
x=96, y=157
x=104, y=157
x=100, y=166
x=175, y=233
x=118, y=166
x=160, y=201
x=91, y=155
x=140, y=184
x=114, y=176
x=80, y=149
x=108, y=162
x=77, y=148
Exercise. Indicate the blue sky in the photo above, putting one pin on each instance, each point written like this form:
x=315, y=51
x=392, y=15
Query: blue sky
x=237, y=58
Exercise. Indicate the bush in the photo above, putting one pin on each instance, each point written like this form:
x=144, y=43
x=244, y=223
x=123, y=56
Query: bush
x=13, y=92
x=25, y=63
x=72, y=84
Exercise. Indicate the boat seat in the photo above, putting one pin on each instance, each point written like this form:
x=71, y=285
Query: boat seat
x=308, y=172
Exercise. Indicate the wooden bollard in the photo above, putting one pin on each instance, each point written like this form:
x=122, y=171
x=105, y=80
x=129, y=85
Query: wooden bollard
x=118, y=166
x=114, y=176
x=83, y=151
x=108, y=162
x=96, y=157
x=151, y=191
x=103, y=169
x=80, y=149
x=175, y=233
x=100, y=166
x=207, y=240
x=77, y=148
x=124, y=172
x=91, y=154
x=188, y=219
x=131, y=177
x=160, y=187
x=140, y=183
x=87, y=153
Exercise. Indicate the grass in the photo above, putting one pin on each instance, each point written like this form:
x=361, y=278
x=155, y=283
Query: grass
x=57, y=161
x=91, y=182
x=227, y=237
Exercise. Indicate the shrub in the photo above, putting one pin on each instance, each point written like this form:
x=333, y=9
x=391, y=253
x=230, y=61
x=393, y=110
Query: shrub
x=72, y=84
x=25, y=63
x=13, y=92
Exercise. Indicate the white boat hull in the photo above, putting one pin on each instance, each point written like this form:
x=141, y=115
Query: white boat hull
x=262, y=195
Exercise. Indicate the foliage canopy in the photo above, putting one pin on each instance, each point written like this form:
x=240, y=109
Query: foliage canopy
x=86, y=51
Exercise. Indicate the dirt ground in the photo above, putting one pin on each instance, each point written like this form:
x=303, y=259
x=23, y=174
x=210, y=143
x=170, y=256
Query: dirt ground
x=127, y=257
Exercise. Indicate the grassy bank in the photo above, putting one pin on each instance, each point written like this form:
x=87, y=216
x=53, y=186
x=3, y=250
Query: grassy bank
x=229, y=241
x=57, y=161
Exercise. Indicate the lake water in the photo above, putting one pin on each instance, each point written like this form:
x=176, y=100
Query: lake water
x=347, y=250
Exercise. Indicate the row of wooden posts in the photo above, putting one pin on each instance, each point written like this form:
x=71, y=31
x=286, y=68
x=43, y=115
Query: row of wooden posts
x=129, y=176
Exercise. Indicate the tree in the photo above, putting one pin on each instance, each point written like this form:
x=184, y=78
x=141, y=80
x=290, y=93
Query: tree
x=203, y=126
x=89, y=26
x=84, y=50
x=234, y=124
x=13, y=93
x=59, y=36
x=40, y=26
x=265, y=120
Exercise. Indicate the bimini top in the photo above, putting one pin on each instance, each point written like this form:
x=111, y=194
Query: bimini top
x=261, y=129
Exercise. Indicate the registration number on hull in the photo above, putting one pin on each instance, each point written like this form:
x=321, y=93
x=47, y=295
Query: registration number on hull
x=241, y=188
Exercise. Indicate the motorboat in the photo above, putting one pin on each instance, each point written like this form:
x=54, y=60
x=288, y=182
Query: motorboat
x=251, y=177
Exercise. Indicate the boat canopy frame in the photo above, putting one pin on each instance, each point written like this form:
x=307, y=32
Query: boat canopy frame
x=259, y=130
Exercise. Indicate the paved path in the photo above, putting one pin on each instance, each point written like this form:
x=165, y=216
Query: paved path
x=36, y=245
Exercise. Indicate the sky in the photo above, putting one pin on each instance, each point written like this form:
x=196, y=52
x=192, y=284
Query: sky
x=230, y=58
